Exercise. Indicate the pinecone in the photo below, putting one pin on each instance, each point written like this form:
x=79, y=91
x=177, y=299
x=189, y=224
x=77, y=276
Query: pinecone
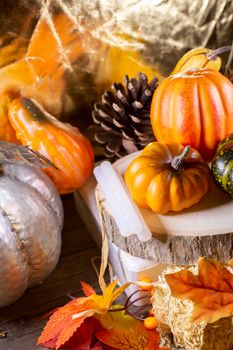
x=123, y=117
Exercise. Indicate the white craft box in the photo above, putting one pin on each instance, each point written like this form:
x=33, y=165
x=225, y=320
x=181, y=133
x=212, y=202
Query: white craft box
x=126, y=267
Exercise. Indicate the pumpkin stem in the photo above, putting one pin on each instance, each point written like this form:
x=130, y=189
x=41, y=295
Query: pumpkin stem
x=178, y=161
x=213, y=55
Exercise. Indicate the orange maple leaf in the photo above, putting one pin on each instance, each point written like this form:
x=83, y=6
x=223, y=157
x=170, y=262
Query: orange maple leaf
x=87, y=289
x=67, y=319
x=61, y=325
x=211, y=290
x=132, y=338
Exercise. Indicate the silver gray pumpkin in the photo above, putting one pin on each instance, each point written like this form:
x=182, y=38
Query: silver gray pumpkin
x=31, y=219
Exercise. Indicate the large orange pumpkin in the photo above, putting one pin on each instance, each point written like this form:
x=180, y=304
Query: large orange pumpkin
x=61, y=143
x=193, y=108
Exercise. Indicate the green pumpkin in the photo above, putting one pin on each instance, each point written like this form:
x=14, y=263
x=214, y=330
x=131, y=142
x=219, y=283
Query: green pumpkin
x=222, y=165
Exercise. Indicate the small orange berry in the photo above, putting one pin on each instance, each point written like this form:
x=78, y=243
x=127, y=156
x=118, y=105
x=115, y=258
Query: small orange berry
x=146, y=280
x=150, y=323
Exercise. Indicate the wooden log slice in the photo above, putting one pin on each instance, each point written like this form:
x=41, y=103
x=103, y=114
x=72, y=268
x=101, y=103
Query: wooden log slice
x=205, y=229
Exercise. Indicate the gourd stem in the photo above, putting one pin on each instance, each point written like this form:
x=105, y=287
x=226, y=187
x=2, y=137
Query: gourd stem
x=212, y=55
x=228, y=65
x=178, y=161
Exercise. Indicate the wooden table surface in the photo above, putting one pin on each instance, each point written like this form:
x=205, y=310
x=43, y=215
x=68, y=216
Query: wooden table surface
x=22, y=319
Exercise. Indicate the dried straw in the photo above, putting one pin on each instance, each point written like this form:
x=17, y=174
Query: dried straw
x=175, y=316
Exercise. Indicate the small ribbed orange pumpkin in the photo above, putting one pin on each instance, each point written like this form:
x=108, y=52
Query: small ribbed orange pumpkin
x=61, y=143
x=167, y=177
x=193, y=108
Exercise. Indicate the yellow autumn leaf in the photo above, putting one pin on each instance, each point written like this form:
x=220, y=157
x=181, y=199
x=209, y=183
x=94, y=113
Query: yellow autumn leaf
x=105, y=300
x=117, y=319
x=131, y=338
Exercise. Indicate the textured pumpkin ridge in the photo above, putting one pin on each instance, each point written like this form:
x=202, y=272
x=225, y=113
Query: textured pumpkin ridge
x=64, y=158
x=47, y=192
x=193, y=108
x=225, y=177
x=200, y=120
x=44, y=199
x=14, y=230
x=224, y=105
x=80, y=149
x=23, y=247
x=197, y=122
x=218, y=108
x=225, y=111
x=150, y=203
x=219, y=111
x=167, y=189
x=172, y=121
x=32, y=237
x=49, y=142
x=22, y=277
x=63, y=164
x=62, y=144
x=194, y=182
x=25, y=137
x=169, y=123
x=173, y=195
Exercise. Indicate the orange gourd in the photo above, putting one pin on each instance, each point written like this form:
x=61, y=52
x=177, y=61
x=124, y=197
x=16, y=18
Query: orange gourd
x=167, y=177
x=61, y=143
x=199, y=58
x=193, y=108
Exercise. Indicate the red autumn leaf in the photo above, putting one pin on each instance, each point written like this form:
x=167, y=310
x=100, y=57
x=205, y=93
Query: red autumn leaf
x=101, y=346
x=61, y=325
x=211, y=290
x=98, y=346
x=87, y=289
x=51, y=344
x=132, y=338
x=84, y=336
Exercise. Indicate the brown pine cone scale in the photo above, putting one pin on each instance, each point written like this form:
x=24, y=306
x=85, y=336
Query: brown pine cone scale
x=122, y=118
